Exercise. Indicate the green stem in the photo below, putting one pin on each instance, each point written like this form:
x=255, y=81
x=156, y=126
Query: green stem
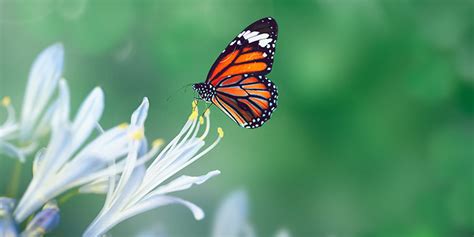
x=14, y=185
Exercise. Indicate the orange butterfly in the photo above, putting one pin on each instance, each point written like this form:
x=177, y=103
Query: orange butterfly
x=236, y=82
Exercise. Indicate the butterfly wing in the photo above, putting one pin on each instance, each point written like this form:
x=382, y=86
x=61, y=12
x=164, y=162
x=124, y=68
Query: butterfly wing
x=251, y=52
x=249, y=99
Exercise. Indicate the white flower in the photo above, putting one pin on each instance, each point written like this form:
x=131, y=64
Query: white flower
x=232, y=218
x=66, y=162
x=141, y=189
x=19, y=138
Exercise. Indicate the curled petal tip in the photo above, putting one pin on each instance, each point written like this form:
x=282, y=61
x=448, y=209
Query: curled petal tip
x=220, y=131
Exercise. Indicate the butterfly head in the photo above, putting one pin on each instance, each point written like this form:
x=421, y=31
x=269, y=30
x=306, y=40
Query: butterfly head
x=206, y=91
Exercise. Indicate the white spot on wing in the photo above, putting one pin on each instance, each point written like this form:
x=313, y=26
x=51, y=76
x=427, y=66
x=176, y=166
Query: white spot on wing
x=258, y=37
x=250, y=34
x=264, y=42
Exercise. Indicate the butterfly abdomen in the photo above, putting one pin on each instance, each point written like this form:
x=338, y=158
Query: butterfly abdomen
x=206, y=91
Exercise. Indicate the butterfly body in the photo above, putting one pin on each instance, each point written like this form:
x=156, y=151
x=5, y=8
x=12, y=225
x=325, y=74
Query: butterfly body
x=237, y=83
x=206, y=91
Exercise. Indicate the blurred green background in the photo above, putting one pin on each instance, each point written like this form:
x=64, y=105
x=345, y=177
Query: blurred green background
x=374, y=134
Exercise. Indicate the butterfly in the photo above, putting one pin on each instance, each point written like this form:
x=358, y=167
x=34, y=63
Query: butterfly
x=237, y=84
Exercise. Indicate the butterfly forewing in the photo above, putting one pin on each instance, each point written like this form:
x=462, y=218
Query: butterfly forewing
x=250, y=52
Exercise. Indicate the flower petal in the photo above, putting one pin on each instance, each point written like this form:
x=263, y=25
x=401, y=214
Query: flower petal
x=88, y=116
x=102, y=226
x=184, y=182
x=140, y=114
x=12, y=151
x=42, y=82
x=99, y=186
x=232, y=215
x=57, y=113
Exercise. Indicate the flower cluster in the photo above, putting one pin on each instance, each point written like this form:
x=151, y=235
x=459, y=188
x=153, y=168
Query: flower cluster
x=117, y=161
x=19, y=138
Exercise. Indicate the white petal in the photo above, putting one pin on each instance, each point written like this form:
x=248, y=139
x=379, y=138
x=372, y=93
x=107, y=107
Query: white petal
x=57, y=113
x=38, y=160
x=7, y=130
x=61, y=113
x=140, y=114
x=184, y=182
x=12, y=151
x=231, y=217
x=100, y=227
x=42, y=82
x=99, y=186
x=120, y=193
x=88, y=116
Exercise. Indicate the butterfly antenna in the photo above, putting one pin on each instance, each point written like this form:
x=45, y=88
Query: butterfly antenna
x=209, y=106
x=176, y=92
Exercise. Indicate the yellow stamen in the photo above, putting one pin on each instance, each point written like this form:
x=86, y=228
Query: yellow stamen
x=220, y=132
x=201, y=120
x=208, y=111
x=158, y=143
x=138, y=135
x=194, y=104
x=123, y=125
x=6, y=101
x=193, y=115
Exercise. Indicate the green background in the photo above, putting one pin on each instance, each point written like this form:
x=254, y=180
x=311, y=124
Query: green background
x=374, y=134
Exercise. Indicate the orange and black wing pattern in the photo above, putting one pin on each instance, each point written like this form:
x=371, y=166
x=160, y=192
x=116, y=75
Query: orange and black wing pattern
x=251, y=52
x=248, y=99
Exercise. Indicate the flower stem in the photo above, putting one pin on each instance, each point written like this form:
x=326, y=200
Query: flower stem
x=14, y=185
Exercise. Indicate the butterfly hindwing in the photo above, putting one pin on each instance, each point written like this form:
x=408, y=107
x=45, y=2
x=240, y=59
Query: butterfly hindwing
x=251, y=52
x=249, y=100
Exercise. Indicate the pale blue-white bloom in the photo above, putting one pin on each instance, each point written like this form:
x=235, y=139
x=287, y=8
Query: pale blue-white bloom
x=141, y=189
x=232, y=218
x=67, y=162
x=8, y=225
x=43, y=222
x=19, y=138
